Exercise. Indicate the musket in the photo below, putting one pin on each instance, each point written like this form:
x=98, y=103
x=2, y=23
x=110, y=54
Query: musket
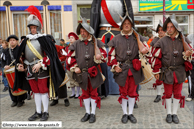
x=151, y=28
x=96, y=49
x=185, y=45
x=140, y=44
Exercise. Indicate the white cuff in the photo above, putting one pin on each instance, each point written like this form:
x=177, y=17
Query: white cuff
x=113, y=67
x=99, y=61
x=187, y=58
x=72, y=69
x=44, y=67
x=156, y=72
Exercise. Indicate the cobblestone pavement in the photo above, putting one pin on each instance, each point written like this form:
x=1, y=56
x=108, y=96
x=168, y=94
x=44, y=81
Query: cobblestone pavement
x=149, y=114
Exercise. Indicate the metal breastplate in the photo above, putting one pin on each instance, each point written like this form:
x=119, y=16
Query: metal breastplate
x=115, y=8
x=29, y=55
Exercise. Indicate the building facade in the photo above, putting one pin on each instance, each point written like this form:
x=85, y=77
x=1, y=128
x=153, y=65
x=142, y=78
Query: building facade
x=61, y=16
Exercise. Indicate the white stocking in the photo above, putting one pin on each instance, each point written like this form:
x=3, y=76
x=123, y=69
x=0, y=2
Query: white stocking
x=78, y=89
x=131, y=102
x=73, y=91
x=168, y=105
x=37, y=98
x=45, y=101
x=124, y=106
x=93, y=106
x=87, y=105
x=159, y=89
x=175, y=105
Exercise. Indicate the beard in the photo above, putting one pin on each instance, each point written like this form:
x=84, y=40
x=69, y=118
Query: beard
x=84, y=37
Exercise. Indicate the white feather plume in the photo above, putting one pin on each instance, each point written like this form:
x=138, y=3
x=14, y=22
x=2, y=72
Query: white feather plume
x=31, y=17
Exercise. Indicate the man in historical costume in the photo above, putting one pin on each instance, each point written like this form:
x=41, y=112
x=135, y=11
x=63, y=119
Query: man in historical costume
x=62, y=91
x=123, y=57
x=39, y=66
x=191, y=77
x=10, y=56
x=170, y=65
x=158, y=84
x=72, y=38
x=105, y=20
x=86, y=53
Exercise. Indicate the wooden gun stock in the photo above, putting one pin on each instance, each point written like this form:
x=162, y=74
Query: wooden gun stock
x=140, y=44
x=185, y=45
x=96, y=49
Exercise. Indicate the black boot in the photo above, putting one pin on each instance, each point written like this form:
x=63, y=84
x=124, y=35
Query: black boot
x=45, y=116
x=175, y=119
x=54, y=103
x=5, y=89
x=124, y=119
x=14, y=104
x=76, y=97
x=157, y=99
x=66, y=101
x=20, y=104
x=28, y=97
x=169, y=118
x=72, y=96
x=135, y=105
x=35, y=116
x=92, y=118
x=85, y=118
x=132, y=119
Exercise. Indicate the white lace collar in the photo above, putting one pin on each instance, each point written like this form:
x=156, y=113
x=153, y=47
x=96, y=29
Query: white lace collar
x=35, y=36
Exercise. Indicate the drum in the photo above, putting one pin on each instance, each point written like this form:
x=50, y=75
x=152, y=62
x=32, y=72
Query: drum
x=10, y=75
x=65, y=80
x=147, y=71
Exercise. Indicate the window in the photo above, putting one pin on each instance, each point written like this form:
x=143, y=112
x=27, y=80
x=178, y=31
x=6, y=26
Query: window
x=20, y=24
x=141, y=24
x=3, y=28
x=55, y=25
x=84, y=11
x=183, y=22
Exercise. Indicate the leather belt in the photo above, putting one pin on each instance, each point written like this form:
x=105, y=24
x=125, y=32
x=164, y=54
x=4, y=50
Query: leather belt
x=127, y=62
x=84, y=70
x=110, y=28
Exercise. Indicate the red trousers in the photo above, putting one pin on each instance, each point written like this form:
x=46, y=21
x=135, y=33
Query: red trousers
x=158, y=83
x=39, y=86
x=90, y=93
x=174, y=89
x=129, y=88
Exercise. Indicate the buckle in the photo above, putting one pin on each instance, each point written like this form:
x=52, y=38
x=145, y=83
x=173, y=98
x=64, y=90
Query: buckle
x=108, y=29
x=84, y=70
x=128, y=62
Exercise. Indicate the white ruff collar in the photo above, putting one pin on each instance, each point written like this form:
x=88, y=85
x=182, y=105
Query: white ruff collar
x=35, y=36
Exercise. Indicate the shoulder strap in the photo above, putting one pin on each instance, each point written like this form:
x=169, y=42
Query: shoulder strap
x=34, y=51
x=11, y=55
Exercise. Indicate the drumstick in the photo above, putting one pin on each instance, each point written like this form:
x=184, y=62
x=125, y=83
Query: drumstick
x=12, y=62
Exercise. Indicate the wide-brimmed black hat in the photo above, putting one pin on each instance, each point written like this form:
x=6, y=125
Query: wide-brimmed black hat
x=84, y=25
x=174, y=22
x=12, y=36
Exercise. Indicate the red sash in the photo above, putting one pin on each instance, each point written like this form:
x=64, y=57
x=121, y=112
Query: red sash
x=108, y=15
